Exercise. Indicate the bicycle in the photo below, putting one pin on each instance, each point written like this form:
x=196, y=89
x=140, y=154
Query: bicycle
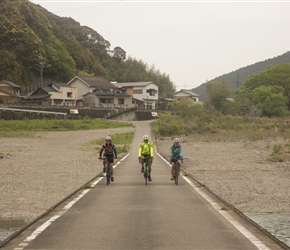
x=146, y=164
x=176, y=170
x=107, y=170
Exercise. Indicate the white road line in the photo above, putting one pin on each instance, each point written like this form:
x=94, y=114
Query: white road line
x=236, y=224
x=46, y=224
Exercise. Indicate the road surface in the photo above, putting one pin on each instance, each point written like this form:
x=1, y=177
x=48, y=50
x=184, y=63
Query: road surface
x=130, y=215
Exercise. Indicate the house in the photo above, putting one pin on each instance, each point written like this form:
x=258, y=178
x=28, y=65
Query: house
x=53, y=94
x=107, y=99
x=9, y=91
x=143, y=92
x=90, y=84
x=184, y=93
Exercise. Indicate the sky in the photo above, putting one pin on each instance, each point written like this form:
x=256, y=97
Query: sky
x=191, y=41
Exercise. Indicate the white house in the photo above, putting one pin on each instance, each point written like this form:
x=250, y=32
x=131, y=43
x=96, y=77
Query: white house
x=185, y=93
x=146, y=92
x=107, y=99
x=90, y=84
x=9, y=91
x=54, y=94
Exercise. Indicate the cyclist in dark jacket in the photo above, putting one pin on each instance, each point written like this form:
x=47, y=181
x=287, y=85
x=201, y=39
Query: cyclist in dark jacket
x=175, y=155
x=110, y=153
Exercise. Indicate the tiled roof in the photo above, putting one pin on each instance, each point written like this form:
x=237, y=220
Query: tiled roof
x=107, y=94
x=11, y=83
x=189, y=92
x=8, y=92
x=132, y=84
x=49, y=89
x=96, y=81
x=57, y=84
x=37, y=97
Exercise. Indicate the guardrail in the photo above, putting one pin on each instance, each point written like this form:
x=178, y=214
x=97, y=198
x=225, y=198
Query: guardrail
x=34, y=111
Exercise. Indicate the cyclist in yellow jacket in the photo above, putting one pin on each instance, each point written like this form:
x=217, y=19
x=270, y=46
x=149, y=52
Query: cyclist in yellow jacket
x=145, y=148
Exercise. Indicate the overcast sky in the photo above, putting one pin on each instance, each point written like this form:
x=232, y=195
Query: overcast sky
x=191, y=41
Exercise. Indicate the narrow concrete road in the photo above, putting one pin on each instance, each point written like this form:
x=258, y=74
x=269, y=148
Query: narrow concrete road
x=130, y=215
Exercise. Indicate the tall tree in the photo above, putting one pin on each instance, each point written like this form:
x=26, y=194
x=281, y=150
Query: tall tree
x=278, y=75
x=270, y=100
x=217, y=93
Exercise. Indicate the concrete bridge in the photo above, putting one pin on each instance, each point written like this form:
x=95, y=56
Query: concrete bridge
x=134, y=115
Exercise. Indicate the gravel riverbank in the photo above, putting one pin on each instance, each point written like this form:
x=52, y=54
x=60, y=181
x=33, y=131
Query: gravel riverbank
x=238, y=172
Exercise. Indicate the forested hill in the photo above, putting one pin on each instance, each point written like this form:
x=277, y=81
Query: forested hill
x=238, y=77
x=38, y=47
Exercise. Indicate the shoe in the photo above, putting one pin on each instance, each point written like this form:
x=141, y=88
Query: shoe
x=172, y=178
x=149, y=178
x=112, y=178
x=104, y=169
x=142, y=169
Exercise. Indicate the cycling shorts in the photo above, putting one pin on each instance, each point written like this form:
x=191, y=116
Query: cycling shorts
x=110, y=159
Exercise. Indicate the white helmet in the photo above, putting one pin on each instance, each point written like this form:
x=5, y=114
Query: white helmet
x=176, y=140
x=108, y=138
x=145, y=137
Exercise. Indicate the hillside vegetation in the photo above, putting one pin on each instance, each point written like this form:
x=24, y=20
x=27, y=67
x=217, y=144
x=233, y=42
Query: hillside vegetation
x=239, y=76
x=205, y=123
x=38, y=47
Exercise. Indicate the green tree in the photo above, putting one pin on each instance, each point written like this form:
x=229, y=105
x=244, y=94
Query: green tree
x=270, y=100
x=277, y=75
x=119, y=53
x=217, y=93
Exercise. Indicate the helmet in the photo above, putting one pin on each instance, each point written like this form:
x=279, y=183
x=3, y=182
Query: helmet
x=145, y=137
x=176, y=140
x=108, y=138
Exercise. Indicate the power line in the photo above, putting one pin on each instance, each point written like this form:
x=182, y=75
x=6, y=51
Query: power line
x=80, y=8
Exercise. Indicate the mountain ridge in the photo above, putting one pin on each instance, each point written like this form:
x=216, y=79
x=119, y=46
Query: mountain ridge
x=239, y=76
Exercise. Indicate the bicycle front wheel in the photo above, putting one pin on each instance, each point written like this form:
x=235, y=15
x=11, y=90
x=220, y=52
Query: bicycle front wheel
x=146, y=175
x=108, y=175
x=176, y=174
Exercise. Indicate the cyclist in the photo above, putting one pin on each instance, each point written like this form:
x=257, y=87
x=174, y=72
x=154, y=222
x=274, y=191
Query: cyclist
x=145, y=148
x=110, y=153
x=175, y=155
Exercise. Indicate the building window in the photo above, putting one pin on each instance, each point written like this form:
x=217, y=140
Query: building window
x=121, y=101
x=151, y=92
x=69, y=94
x=137, y=91
x=106, y=100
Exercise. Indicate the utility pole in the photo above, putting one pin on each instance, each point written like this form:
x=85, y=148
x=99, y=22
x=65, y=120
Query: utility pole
x=41, y=69
x=238, y=84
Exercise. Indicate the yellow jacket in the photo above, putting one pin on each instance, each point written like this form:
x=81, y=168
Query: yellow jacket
x=145, y=148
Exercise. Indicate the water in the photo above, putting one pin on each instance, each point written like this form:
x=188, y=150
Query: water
x=9, y=227
x=276, y=224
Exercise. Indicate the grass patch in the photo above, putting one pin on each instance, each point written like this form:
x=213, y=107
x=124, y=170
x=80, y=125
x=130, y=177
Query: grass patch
x=26, y=127
x=280, y=152
x=222, y=127
x=224, y=207
x=122, y=142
